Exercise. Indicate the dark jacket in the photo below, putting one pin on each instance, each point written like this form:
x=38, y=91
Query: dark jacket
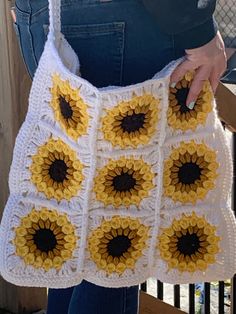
x=190, y=21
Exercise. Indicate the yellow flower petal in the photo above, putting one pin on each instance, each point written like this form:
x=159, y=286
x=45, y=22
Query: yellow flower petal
x=201, y=264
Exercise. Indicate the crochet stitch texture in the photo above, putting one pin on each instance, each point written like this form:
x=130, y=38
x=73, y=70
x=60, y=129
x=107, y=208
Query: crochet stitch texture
x=117, y=184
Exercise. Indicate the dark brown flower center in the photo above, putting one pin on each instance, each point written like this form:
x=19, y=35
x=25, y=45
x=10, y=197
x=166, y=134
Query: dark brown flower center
x=189, y=173
x=133, y=122
x=118, y=245
x=58, y=170
x=188, y=244
x=45, y=240
x=124, y=182
x=65, y=108
x=181, y=96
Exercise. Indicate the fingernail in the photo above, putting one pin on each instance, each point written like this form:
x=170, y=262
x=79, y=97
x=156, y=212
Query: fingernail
x=191, y=105
x=173, y=84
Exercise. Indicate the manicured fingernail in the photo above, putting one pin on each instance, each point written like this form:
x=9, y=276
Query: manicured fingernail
x=173, y=85
x=191, y=105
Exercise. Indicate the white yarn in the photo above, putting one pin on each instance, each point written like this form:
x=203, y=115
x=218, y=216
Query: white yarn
x=83, y=210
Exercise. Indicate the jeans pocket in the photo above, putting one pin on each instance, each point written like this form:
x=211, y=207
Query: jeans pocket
x=100, y=48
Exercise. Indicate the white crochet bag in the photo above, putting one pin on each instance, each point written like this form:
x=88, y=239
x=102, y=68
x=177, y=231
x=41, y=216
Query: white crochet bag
x=117, y=184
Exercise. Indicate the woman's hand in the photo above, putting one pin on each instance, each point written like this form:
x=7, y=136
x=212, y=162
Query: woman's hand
x=209, y=63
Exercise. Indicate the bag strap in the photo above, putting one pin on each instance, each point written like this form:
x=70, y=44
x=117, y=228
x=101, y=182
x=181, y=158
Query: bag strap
x=54, y=18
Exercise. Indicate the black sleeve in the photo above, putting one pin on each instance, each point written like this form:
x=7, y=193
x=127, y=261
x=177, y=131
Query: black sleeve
x=191, y=21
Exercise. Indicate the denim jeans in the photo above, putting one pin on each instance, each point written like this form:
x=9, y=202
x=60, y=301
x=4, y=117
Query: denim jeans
x=88, y=298
x=118, y=43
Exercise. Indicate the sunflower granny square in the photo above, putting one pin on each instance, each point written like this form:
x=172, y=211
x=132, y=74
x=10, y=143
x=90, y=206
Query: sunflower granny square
x=117, y=184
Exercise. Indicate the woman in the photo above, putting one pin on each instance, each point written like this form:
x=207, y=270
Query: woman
x=122, y=42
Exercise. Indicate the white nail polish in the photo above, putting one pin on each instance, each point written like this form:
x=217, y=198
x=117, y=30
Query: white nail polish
x=191, y=105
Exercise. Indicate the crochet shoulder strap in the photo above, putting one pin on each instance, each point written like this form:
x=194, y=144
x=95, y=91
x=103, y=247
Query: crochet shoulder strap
x=54, y=18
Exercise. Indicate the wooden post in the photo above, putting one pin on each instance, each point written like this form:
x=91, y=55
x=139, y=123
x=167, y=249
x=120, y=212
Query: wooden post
x=14, y=90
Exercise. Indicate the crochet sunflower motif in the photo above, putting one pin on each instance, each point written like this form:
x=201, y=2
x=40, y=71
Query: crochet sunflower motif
x=118, y=243
x=45, y=239
x=56, y=171
x=124, y=181
x=69, y=108
x=179, y=115
x=189, y=244
x=190, y=172
x=131, y=123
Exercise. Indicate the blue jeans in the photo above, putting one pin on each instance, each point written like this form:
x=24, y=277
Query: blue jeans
x=118, y=43
x=88, y=298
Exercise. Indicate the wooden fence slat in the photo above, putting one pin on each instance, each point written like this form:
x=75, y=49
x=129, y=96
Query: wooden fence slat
x=14, y=90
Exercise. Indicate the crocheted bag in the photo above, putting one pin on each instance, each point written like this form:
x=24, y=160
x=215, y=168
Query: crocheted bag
x=117, y=184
